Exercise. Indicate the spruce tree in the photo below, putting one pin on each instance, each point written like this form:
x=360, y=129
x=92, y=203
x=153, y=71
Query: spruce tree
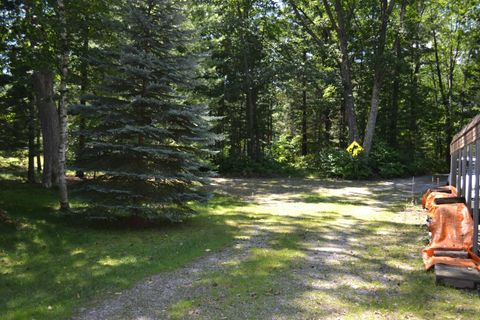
x=145, y=141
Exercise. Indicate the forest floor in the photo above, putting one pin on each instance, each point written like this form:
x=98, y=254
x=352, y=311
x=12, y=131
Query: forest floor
x=305, y=249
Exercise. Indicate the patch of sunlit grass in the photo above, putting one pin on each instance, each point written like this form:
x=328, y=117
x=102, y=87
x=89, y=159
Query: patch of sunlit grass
x=181, y=309
x=251, y=281
x=113, y=262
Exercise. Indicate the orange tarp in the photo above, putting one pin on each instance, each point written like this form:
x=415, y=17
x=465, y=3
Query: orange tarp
x=441, y=192
x=451, y=227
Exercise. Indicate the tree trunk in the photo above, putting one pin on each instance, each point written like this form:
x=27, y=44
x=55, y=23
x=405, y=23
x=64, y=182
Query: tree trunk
x=451, y=73
x=445, y=99
x=43, y=87
x=345, y=70
x=255, y=134
x=342, y=132
x=304, y=123
x=62, y=108
x=412, y=120
x=33, y=150
x=38, y=147
x=304, y=108
x=328, y=128
x=251, y=104
x=253, y=147
x=83, y=90
x=462, y=97
x=378, y=76
x=438, y=149
x=350, y=115
x=270, y=122
x=31, y=141
x=393, y=124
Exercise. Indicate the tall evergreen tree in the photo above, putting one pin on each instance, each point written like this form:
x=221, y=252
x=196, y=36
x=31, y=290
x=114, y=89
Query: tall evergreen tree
x=145, y=139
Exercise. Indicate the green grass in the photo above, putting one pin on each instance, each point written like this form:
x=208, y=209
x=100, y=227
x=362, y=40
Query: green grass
x=50, y=265
x=382, y=276
x=248, y=282
x=12, y=167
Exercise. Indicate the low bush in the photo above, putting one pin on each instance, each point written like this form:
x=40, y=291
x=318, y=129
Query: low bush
x=246, y=167
x=386, y=162
x=284, y=159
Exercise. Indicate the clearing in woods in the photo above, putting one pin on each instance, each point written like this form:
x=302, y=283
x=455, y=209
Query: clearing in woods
x=306, y=249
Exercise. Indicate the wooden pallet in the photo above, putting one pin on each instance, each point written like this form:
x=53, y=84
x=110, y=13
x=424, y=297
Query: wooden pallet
x=451, y=253
x=457, y=277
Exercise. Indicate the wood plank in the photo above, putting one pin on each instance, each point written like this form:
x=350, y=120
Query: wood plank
x=464, y=171
x=476, y=189
x=449, y=253
x=458, y=277
x=459, y=169
x=468, y=134
x=451, y=200
x=456, y=283
x=468, y=177
x=453, y=169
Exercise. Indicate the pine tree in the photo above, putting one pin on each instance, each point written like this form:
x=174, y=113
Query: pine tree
x=144, y=140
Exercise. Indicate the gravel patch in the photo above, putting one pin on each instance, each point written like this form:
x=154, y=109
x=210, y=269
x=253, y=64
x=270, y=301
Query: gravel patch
x=324, y=284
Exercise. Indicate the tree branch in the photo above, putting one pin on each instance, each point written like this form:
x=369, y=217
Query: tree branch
x=330, y=15
x=304, y=21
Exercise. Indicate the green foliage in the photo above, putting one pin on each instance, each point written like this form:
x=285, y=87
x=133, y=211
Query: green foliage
x=145, y=139
x=339, y=163
x=286, y=149
x=246, y=167
x=386, y=161
x=383, y=161
x=269, y=72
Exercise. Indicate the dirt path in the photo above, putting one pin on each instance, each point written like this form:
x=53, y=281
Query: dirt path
x=353, y=249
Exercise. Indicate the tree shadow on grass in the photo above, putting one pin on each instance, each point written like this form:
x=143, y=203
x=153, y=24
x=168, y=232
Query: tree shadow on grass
x=60, y=263
x=370, y=270
x=51, y=263
x=366, y=268
x=391, y=195
x=379, y=271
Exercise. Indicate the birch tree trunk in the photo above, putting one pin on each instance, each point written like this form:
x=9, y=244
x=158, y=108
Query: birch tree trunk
x=304, y=107
x=83, y=89
x=62, y=108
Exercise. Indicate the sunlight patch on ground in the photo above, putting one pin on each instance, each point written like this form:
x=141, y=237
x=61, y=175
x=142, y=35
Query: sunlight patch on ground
x=112, y=262
x=77, y=251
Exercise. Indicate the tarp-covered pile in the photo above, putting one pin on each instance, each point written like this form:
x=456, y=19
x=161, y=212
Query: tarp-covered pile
x=451, y=226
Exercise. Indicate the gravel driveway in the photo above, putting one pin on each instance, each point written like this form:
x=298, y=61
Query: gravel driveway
x=347, y=231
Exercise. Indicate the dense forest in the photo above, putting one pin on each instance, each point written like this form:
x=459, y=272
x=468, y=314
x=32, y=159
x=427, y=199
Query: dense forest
x=143, y=99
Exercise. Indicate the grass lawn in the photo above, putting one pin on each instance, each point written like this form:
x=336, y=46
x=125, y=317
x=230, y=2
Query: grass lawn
x=317, y=249
x=50, y=265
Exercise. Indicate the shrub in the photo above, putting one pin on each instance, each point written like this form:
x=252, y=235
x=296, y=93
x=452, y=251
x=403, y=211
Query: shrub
x=286, y=149
x=386, y=161
x=244, y=166
x=338, y=163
